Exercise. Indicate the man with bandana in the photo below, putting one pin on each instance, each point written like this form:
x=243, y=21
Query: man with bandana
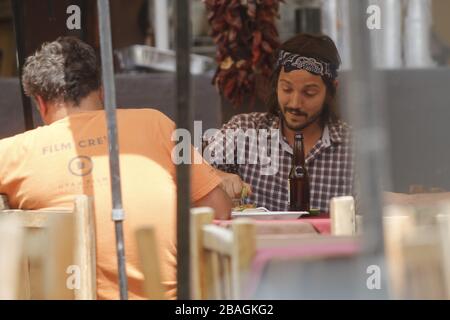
x=302, y=99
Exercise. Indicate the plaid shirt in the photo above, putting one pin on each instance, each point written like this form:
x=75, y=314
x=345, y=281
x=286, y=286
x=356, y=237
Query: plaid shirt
x=329, y=163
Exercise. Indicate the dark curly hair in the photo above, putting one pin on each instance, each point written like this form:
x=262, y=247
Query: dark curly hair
x=65, y=69
x=316, y=46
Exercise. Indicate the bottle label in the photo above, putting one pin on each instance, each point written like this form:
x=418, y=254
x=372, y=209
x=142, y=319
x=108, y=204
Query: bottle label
x=299, y=172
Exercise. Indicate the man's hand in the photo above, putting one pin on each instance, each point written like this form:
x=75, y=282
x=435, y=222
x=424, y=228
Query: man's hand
x=233, y=185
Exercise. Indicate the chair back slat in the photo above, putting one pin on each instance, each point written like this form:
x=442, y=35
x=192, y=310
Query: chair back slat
x=58, y=258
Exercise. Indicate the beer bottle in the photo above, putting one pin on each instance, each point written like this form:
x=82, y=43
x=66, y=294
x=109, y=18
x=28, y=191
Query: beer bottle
x=298, y=178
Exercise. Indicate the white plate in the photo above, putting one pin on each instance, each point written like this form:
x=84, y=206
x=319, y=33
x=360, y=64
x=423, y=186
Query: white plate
x=269, y=215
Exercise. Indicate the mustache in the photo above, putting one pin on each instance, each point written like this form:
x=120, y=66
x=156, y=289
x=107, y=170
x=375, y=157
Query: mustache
x=295, y=111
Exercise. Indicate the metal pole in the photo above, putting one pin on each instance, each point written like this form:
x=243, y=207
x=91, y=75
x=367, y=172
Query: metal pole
x=110, y=107
x=184, y=120
x=17, y=6
x=365, y=110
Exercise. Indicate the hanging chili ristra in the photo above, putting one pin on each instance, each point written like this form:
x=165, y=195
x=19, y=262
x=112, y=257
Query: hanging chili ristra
x=246, y=37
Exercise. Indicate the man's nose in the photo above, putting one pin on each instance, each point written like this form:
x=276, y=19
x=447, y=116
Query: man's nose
x=296, y=101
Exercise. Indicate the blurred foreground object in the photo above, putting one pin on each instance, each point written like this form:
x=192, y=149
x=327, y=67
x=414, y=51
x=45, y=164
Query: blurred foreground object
x=11, y=237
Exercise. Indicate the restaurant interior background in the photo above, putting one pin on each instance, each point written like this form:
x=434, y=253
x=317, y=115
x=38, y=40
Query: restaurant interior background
x=412, y=52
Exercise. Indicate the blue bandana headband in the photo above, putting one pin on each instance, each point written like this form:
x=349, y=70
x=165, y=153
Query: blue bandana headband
x=291, y=61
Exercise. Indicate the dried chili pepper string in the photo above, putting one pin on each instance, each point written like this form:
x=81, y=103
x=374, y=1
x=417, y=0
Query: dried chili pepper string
x=246, y=37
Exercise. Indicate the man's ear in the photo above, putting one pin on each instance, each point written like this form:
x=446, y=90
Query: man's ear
x=42, y=106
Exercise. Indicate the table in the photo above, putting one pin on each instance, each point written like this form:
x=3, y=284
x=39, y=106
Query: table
x=308, y=224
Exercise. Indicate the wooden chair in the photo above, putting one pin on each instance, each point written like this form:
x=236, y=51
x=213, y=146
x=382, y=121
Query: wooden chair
x=148, y=253
x=58, y=255
x=220, y=257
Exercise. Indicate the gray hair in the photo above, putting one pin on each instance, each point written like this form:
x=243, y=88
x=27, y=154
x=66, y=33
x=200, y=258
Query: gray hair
x=65, y=69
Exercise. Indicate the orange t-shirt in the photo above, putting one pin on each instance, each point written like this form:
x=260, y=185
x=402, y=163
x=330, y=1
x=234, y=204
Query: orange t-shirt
x=47, y=166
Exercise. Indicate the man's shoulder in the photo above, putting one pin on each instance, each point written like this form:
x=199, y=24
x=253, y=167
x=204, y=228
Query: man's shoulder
x=141, y=111
x=252, y=120
x=344, y=127
x=19, y=143
x=340, y=131
x=24, y=136
x=144, y=114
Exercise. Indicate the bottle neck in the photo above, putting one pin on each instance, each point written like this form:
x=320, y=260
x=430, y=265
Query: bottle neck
x=298, y=152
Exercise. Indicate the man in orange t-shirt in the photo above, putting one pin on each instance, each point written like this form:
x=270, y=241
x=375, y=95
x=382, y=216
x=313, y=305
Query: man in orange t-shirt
x=47, y=166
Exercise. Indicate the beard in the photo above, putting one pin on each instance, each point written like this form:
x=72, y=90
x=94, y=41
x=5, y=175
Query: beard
x=299, y=127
